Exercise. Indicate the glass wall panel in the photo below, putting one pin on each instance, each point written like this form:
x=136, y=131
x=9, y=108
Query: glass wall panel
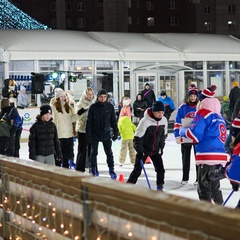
x=217, y=78
x=214, y=65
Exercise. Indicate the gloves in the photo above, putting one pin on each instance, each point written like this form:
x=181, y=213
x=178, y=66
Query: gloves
x=235, y=186
x=178, y=140
x=114, y=138
x=81, y=111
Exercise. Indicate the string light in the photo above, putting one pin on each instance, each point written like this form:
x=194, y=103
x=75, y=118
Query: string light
x=13, y=18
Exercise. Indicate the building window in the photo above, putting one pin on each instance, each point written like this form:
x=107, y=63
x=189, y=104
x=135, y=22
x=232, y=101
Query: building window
x=68, y=6
x=207, y=26
x=100, y=2
x=231, y=25
x=231, y=8
x=138, y=20
x=150, y=5
x=68, y=22
x=81, y=22
x=52, y=6
x=129, y=20
x=207, y=9
x=150, y=21
x=137, y=3
x=93, y=20
x=81, y=6
x=92, y=4
x=129, y=3
x=53, y=23
x=173, y=21
x=172, y=5
x=100, y=21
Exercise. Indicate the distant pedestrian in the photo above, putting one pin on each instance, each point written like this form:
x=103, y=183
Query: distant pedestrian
x=234, y=95
x=22, y=98
x=139, y=106
x=148, y=95
x=126, y=129
x=149, y=141
x=225, y=111
x=126, y=108
x=43, y=138
x=168, y=104
x=101, y=122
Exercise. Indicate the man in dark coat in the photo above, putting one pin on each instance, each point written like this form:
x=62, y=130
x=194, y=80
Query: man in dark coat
x=148, y=95
x=101, y=127
x=234, y=95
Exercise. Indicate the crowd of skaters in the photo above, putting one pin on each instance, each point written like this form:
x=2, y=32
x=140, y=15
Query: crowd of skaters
x=200, y=125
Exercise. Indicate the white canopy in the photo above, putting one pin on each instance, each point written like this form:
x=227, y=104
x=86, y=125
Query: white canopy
x=77, y=45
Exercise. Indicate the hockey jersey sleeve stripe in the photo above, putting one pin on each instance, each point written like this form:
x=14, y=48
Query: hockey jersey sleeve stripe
x=212, y=157
x=191, y=136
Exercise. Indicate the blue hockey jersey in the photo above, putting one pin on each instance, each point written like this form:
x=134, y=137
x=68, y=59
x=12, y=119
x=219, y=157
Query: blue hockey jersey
x=208, y=131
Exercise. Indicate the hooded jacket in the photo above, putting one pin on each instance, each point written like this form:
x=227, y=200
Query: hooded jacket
x=208, y=131
x=6, y=93
x=126, y=128
x=43, y=139
x=84, y=104
x=150, y=134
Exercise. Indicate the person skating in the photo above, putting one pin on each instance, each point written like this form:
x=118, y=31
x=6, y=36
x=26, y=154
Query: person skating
x=149, y=140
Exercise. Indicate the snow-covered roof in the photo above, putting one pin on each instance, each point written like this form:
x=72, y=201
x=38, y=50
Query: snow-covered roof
x=77, y=45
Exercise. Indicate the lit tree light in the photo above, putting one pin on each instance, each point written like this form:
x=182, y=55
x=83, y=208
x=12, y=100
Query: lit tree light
x=13, y=18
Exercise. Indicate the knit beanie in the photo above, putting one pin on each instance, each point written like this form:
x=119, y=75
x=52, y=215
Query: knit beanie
x=22, y=88
x=45, y=109
x=192, y=90
x=235, y=127
x=235, y=84
x=59, y=92
x=208, y=92
x=158, y=106
x=101, y=92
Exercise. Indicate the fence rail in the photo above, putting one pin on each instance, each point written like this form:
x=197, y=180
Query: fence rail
x=47, y=202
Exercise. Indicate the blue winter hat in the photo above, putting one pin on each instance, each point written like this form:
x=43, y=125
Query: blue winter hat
x=158, y=106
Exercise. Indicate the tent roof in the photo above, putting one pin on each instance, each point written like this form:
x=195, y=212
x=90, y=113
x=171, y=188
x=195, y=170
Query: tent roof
x=77, y=45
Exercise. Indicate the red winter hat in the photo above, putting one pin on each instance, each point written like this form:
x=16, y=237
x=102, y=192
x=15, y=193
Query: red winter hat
x=208, y=92
x=192, y=90
x=235, y=127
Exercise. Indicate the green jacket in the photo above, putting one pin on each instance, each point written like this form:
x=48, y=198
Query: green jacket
x=126, y=128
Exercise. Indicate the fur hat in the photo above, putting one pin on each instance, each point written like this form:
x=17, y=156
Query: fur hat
x=101, y=92
x=45, y=109
x=59, y=92
x=208, y=92
x=235, y=127
x=235, y=84
x=158, y=106
x=126, y=102
x=192, y=90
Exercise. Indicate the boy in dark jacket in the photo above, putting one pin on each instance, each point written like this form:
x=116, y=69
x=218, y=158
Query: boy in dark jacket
x=149, y=140
x=43, y=139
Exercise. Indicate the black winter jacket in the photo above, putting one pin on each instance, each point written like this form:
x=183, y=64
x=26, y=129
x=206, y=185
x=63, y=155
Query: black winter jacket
x=43, y=139
x=148, y=96
x=101, y=121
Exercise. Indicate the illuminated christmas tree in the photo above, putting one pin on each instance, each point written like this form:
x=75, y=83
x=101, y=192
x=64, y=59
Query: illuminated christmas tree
x=13, y=18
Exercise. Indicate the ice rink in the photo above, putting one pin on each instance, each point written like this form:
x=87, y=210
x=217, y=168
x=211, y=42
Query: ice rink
x=173, y=171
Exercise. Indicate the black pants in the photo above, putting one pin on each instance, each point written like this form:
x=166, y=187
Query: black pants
x=158, y=166
x=211, y=192
x=67, y=147
x=83, y=152
x=107, y=146
x=186, y=159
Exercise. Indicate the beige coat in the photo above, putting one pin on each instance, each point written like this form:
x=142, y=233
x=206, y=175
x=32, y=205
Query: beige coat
x=63, y=122
x=85, y=104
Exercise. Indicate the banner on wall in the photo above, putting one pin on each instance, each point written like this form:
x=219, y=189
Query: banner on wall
x=29, y=118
